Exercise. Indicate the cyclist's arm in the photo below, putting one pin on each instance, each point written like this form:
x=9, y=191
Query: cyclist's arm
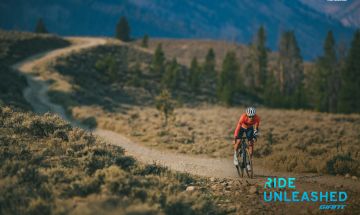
x=257, y=123
x=236, y=133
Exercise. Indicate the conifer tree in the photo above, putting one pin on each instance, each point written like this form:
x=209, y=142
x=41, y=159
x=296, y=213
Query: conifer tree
x=261, y=58
x=228, y=78
x=40, y=27
x=209, y=64
x=171, y=77
x=145, y=41
x=272, y=95
x=158, y=61
x=209, y=72
x=195, y=75
x=290, y=73
x=123, y=29
x=326, y=77
x=349, y=100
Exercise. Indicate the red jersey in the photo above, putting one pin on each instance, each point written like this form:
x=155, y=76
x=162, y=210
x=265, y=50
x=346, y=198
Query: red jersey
x=246, y=122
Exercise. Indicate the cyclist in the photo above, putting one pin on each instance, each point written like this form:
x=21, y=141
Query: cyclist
x=248, y=124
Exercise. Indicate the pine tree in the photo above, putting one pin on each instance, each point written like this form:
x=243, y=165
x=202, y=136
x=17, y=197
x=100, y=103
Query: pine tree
x=209, y=64
x=40, y=27
x=228, y=78
x=171, y=76
x=326, y=77
x=123, y=29
x=272, y=95
x=195, y=75
x=145, y=41
x=209, y=71
x=158, y=61
x=290, y=70
x=261, y=57
x=349, y=100
x=248, y=72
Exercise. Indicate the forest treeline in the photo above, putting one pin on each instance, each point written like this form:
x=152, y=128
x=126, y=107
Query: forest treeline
x=331, y=84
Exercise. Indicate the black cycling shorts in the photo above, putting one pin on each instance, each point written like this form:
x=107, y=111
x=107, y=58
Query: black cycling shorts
x=249, y=132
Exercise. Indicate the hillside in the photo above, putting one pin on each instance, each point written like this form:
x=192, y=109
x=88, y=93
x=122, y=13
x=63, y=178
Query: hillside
x=184, y=50
x=53, y=168
x=14, y=47
x=230, y=20
x=87, y=83
x=106, y=190
x=197, y=129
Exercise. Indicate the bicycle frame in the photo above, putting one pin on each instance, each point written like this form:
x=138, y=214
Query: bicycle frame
x=245, y=159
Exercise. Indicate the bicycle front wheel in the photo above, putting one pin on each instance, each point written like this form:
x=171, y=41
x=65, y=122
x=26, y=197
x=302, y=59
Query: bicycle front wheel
x=249, y=171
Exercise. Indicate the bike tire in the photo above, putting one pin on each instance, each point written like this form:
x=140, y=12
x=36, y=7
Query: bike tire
x=249, y=173
x=239, y=168
x=240, y=171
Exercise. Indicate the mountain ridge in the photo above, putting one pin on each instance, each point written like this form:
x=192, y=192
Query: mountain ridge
x=347, y=12
x=231, y=20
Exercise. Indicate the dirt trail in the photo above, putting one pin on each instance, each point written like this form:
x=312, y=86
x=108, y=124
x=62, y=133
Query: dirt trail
x=36, y=95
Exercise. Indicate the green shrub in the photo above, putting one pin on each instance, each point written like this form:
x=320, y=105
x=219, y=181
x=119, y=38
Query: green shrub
x=84, y=187
x=90, y=122
x=153, y=169
x=263, y=151
x=342, y=164
x=108, y=67
x=39, y=206
x=165, y=105
x=46, y=165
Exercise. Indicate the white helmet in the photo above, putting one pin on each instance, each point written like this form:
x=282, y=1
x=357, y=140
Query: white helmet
x=250, y=111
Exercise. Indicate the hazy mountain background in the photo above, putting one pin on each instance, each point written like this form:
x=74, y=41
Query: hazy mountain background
x=229, y=20
x=347, y=12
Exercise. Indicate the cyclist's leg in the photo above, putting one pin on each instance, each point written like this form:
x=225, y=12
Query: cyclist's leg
x=236, y=146
x=238, y=139
x=237, y=143
x=250, y=138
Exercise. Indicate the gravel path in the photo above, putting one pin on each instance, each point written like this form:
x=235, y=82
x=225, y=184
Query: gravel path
x=36, y=95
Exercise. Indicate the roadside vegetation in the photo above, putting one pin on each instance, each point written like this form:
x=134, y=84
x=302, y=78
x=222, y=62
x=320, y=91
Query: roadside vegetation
x=293, y=141
x=49, y=167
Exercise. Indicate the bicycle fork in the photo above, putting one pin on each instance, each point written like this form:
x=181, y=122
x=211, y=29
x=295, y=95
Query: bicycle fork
x=246, y=161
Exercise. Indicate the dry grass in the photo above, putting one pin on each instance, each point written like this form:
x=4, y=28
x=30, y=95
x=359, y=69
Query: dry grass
x=48, y=167
x=299, y=141
x=186, y=49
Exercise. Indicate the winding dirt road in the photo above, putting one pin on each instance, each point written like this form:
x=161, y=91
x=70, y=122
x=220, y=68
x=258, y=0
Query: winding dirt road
x=36, y=95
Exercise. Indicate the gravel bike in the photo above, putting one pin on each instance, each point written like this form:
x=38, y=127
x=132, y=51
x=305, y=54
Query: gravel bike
x=244, y=160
